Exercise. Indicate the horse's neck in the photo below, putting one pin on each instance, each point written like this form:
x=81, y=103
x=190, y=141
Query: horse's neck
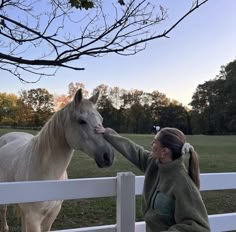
x=51, y=152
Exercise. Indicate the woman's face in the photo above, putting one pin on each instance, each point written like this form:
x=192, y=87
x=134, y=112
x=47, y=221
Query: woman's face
x=157, y=149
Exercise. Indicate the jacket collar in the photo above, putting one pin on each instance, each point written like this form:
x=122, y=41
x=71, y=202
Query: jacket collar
x=172, y=167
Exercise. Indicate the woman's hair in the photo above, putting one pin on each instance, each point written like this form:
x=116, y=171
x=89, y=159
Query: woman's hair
x=174, y=139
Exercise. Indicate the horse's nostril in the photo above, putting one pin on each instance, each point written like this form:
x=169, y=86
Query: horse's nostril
x=106, y=158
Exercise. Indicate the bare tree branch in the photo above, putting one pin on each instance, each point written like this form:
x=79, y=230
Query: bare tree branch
x=39, y=35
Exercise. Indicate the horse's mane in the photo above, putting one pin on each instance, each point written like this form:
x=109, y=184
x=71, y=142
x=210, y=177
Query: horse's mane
x=52, y=132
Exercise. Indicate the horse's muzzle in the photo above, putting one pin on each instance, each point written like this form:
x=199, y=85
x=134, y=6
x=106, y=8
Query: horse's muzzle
x=106, y=160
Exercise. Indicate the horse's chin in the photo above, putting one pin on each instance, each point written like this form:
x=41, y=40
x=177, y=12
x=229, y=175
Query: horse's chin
x=102, y=165
x=98, y=164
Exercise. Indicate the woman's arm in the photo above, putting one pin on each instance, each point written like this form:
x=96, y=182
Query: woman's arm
x=132, y=151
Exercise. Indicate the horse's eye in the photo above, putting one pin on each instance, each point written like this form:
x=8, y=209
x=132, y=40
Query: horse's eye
x=82, y=122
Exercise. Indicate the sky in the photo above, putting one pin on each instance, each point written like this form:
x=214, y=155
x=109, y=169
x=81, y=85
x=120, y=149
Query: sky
x=175, y=66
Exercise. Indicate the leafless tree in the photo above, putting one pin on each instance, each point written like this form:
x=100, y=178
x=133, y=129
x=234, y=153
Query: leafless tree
x=41, y=36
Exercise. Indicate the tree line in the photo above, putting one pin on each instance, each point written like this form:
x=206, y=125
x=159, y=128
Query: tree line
x=132, y=111
x=135, y=111
x=214, y=103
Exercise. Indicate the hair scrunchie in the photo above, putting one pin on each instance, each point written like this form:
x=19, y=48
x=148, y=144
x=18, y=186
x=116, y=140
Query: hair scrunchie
x=187, y=147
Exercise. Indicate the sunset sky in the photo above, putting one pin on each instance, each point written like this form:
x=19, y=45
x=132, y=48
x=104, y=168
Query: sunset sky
x=175, y=66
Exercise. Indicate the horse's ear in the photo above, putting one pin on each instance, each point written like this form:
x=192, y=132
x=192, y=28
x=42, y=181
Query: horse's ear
x=94, y=98
x=78, y=96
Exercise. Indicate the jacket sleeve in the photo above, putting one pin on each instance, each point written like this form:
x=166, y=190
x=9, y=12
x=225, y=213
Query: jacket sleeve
x=190, y=212
x=132, y=151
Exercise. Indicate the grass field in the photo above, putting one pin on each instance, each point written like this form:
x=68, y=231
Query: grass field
x=217, y=154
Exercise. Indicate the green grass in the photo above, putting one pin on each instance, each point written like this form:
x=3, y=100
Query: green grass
x=217, y=154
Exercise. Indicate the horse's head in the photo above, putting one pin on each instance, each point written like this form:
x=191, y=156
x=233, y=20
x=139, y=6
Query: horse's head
x=80, y=133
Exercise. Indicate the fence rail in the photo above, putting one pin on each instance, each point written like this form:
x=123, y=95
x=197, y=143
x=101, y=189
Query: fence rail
x=124, y=186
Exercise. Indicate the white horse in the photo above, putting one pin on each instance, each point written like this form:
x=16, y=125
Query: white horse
x=46, y=156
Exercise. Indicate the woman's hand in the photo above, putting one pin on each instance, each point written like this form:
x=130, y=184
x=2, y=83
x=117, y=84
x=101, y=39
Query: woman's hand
x=100, y=129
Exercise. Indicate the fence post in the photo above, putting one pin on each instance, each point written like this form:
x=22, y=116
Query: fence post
x=125, y=204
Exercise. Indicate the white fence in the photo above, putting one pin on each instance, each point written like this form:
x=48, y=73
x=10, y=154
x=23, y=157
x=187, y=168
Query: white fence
x=125, y=186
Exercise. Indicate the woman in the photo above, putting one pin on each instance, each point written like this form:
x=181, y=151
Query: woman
x=171, y=200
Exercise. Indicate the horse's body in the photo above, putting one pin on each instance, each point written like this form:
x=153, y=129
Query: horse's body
x=46, y=156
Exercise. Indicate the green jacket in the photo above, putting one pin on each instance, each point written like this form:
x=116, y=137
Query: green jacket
x=170, y=199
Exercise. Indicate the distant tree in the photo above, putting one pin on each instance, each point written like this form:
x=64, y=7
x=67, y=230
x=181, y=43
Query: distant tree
x=214, y=103
x=61, y=100
x=107, y=111
x=140, y=120
x=228, y=73
x=103, y=89
x=8, y=104
x=39, y=102
x=131, y=97
x=73, y=87
x=207, y=105
x=137, y=114
x=157, y=102
x=39, y=37
x=174, y=115
x=115, y=95
x=24, y=114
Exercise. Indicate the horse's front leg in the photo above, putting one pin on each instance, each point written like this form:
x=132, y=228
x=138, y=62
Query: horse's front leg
x=31, y=223
x=4, y=227
x=50, y=218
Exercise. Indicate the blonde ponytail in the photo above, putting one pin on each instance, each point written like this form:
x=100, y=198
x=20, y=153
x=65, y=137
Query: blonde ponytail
x=193, y=170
